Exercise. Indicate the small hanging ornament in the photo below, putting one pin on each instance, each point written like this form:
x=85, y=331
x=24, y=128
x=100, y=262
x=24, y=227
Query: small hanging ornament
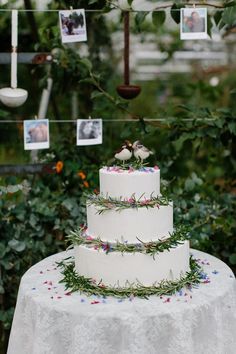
x=126, y=90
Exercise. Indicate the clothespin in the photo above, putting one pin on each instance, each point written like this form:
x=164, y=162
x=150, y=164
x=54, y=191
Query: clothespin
x=71, y=9
x=89, y=117
x=36, y=117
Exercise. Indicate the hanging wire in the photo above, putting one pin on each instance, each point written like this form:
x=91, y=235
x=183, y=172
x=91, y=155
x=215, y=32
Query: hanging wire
x=98, y=10
x=165, y=120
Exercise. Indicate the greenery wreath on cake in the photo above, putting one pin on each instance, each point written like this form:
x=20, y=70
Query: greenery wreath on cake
x=105, y=204
x=75, y=282
x=80, y=237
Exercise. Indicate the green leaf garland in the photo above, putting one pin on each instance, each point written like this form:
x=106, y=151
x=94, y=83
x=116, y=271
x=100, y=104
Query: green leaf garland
x=75, y=282
x=106, y=204
x=80, y=237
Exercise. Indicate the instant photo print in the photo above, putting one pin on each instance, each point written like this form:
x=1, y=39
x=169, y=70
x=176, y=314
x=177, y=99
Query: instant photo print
x=73, y=26
x=89, y=131
x=36, y=134
x=193, y=24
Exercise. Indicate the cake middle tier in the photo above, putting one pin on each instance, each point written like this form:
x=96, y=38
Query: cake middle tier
x=147, y=224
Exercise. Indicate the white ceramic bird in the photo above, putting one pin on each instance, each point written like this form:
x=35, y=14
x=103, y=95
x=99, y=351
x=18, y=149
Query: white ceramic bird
x=125, y=152
x=140, y=151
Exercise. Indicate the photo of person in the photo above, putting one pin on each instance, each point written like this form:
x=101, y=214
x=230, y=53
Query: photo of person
x=89, y=131
x=193, y=23
x=36, y=134
x=73, y=26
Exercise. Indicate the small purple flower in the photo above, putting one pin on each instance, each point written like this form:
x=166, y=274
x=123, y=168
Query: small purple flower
x=203, y=275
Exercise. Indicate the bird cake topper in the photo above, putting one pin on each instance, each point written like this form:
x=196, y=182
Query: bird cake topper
x=137, y=149
x=140, y=151
x=125, y=152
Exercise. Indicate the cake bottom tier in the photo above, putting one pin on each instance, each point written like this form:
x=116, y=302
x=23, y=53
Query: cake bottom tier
x=123, y=269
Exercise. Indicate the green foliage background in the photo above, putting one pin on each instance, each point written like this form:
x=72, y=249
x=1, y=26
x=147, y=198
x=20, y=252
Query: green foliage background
x=194, y=144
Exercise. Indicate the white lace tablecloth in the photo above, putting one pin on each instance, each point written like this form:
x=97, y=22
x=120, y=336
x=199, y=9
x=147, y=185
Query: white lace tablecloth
x=50, y=320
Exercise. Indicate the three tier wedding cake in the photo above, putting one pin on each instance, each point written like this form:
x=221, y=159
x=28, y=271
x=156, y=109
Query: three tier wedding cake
x=130, y=238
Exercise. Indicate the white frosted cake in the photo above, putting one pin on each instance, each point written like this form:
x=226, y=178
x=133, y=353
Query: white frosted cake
x=128, y=213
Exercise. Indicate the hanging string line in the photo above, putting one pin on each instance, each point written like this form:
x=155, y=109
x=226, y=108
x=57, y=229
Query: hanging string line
x=166, y=120
x=102, y=11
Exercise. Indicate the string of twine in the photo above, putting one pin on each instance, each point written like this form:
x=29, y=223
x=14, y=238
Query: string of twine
x=165, y=120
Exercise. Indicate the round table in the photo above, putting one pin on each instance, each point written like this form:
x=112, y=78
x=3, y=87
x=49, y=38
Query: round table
x=49, y=319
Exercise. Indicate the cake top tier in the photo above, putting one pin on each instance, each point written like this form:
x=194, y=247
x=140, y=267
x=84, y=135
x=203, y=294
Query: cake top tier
x=130, y=176
x=122, y=184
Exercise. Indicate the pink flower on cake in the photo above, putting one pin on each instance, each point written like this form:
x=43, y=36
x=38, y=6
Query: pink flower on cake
x=156, y=168
x=89, y=238
x=131, y=169
x=105, y=247
x=102, y=285
x=145, y=202
x=109, y=205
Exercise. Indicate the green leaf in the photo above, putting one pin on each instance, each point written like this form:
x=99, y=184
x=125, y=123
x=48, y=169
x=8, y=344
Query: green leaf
x=232, y=127
x=88, y=80
x=87, y=63
x=232, y=258
x=196, y=179
x=175, y=12
x=158, y=18
x=233, y=91
x=217, y=17
x=96, y=94
x=229, y=15
x=209, y=25
x=17, y=245
x=189, y=185
x=221, y=24
x=139, y=19
x=3, y=114
x=33, y=220
x=92, y=2
x=179, y=142
x=2, y=250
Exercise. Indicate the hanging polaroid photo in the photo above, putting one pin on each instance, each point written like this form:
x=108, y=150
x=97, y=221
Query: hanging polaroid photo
x=36, y=134
x=73, y=26
x=193, y=23
x=89, y=131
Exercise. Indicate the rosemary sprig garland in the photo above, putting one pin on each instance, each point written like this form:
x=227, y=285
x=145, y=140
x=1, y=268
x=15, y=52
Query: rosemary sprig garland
x=79, y=237
x=75, y=282
x=109, y=203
